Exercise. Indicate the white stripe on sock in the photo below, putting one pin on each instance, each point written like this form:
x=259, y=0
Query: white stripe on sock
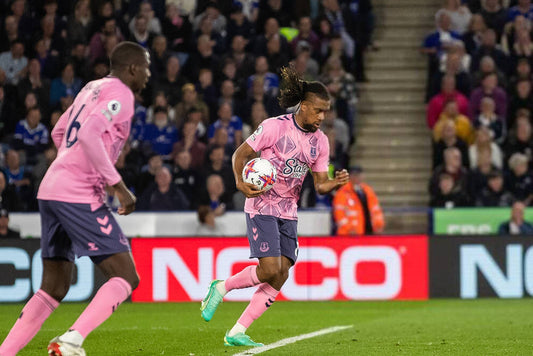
x=290, y=340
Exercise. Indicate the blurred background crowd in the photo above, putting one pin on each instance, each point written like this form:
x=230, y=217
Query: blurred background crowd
x=480, y=103
x=215, y=77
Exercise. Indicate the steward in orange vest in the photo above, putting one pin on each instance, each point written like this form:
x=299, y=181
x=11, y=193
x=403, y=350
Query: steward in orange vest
x=356, y=208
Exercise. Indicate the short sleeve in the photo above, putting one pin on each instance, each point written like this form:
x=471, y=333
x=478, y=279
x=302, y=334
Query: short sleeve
x=265, y=135
x=322, y=162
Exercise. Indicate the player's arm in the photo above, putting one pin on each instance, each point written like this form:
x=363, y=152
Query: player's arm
x=60, y=127
x=324, y=185
x=90, y=138
x=243, y=154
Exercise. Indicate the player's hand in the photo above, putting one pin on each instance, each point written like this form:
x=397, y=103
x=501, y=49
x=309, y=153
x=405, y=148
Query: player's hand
x=126, y=198
x=342, y=177
x=249, y=190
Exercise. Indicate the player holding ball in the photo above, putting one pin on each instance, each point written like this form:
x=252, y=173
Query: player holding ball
x=294, y=144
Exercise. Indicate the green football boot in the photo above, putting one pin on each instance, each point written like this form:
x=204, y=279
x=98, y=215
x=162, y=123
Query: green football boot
x=240, y=339
x=211, y=301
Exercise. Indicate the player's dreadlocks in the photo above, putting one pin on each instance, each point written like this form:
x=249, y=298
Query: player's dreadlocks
x=293, y=89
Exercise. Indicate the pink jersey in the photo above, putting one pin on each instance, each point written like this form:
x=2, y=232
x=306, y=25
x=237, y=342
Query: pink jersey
x=89, y=137
x=292, y=151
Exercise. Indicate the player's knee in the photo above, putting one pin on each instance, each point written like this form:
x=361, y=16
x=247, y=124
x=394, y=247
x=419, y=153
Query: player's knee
x=58, y=292
x=270, y=272
x=134, y=281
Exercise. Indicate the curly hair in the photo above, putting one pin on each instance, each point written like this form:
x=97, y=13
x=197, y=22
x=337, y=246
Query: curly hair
x=293, y=89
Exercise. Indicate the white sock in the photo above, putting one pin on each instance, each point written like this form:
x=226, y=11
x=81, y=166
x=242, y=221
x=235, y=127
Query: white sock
x=221, y=288
x=72, y=337
x=237, y=328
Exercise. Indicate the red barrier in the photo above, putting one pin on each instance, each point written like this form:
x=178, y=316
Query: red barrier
x=340, y=268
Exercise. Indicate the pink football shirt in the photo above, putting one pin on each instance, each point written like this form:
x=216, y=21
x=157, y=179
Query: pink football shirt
x=89, y=137
x=292, y=151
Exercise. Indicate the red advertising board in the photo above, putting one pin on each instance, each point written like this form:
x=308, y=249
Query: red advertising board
x=328, y=268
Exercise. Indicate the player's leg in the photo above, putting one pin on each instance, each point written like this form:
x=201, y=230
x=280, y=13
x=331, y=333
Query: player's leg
x=259, y=230
x=96, y=234
x=122, y=279
x=57, y=275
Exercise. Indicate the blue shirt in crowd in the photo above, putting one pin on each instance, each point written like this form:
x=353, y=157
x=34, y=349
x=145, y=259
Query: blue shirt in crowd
x=162, y=140
x=235, y=124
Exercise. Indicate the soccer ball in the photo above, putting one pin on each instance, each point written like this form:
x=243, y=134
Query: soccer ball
x=260, y=172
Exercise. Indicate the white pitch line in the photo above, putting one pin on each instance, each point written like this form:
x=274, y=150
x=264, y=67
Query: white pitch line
x=290, y=340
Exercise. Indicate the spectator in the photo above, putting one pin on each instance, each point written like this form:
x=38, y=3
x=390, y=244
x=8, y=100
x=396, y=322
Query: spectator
x=341, y=23
x=8, y=195
x=276, y=59
x=356, y=209
x=463, y=127
x=521, y=140
x=80, y=62
x=190, y=143
x=341, y=86
x=55, y=44
x=280, y=10
x=523, y=71
x=270, y=80
x=67, y=86
x=484, y=143
x=97, y=43
x=5, y=231
x=227, y=95
x=455, y=68
x=80, y=23
x=163, y=195
x=522, y=98
x=208, y=224
x=494, y=15
x=161, y=135
x=36, y=83
x=518, y=180
x=487, y=66
x=459, y=15
x=489, y=87
x=232, y=123
x=177, y=29
x=244, y=61
x=31, y=136
x=448, y=197
x=140, y=33
x=9, y=34
x=439, y=40
x=159, y=57
x=523, y=8
x=490, y=48
x=213, y=15
x=216, y=195
x=207, y=91
x=478, y=177
x=13, y=63
x=449, y=139
x=488, y=118
x=172, y=80
x=306, y=35
x=49, y=155
x=50, y=62
x=516, y=225
x=306, y=66
x=447, y=93
x=239, y=23
x=258, y=115
x=189, y=101
x=453, y=166
x=147, y=176
x=184, y=176
x=21, y=179
x=203, y=57
x=522, y=46
x=473, y=37
x=494, y=194
x=160, y=100
x=153, y=25
x=217, y=166
x=257, y=94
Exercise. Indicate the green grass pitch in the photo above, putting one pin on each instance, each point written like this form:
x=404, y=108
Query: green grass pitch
x=435, y=327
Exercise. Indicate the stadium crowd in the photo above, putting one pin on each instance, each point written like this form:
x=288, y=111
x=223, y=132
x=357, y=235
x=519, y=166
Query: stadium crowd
x=480, y=103
x=215, y=77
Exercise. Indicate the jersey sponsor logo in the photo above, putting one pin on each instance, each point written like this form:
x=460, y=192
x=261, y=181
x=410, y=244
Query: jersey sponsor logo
x=295, y=168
